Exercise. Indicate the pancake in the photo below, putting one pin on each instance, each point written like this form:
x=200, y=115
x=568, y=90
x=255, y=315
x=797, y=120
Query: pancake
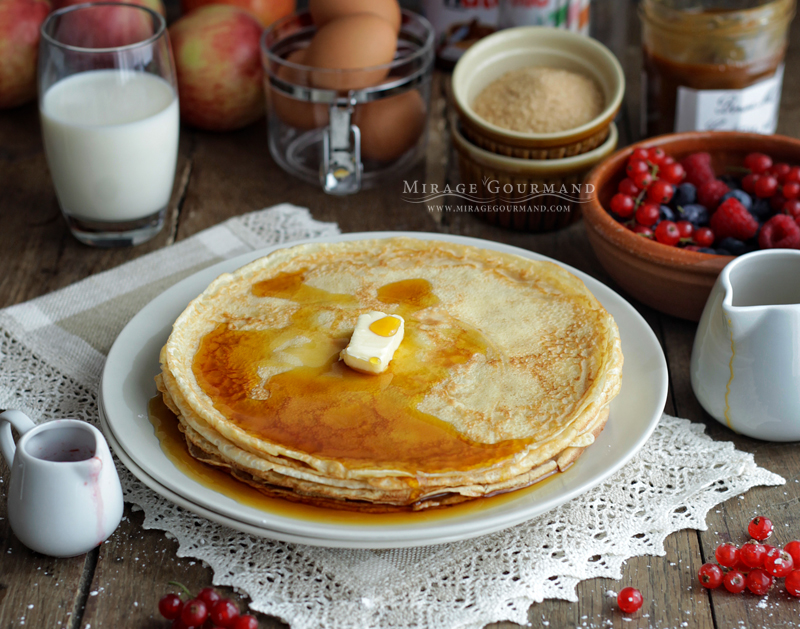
x=504, y=375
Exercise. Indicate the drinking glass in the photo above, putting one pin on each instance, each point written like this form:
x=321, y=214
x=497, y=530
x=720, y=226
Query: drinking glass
x=109, y=111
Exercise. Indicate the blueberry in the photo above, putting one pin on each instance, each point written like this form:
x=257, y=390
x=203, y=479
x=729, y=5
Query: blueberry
x=696, y=214
x=685, y=194
x=707, y=250
x=741, y=196
x=736, y=247
x=721, y=252
x=666, y=214
x=761, y=210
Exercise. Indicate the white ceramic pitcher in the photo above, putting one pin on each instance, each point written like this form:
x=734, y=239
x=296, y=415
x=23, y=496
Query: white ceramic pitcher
x=746, y=357
x=64, y=497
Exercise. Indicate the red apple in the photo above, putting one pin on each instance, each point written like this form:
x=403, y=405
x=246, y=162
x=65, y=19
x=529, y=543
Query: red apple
x=104, y=26
x=155, y=5
x=267, y=11
x=19, y=49
x=219, y=67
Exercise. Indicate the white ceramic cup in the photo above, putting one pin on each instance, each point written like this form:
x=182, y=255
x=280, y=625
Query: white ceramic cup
x=64, y=497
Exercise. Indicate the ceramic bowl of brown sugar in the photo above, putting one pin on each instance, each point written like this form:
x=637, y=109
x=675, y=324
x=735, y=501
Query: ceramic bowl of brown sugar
x=537, y=93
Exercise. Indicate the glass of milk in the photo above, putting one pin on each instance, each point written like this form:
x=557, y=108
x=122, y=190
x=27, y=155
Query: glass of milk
x=108, y=102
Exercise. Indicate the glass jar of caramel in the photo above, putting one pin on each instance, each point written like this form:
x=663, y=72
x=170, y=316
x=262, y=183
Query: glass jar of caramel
x=713, y=64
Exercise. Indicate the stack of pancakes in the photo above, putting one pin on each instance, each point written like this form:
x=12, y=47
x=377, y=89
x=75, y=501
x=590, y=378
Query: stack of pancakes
x=503, y=377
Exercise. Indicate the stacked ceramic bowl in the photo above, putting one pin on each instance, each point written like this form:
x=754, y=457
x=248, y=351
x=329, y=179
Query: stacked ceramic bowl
x=523, y=179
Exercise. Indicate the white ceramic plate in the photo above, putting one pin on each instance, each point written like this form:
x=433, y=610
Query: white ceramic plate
x=127, y=387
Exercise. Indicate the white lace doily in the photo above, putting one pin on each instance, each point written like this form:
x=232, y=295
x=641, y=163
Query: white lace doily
x=51, y=357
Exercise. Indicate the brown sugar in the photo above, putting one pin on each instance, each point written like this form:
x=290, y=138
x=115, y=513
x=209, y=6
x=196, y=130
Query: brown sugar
x=540, y=100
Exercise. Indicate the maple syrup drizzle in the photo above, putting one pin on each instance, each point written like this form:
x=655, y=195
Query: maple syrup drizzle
x=330, y=411
x=173, y=445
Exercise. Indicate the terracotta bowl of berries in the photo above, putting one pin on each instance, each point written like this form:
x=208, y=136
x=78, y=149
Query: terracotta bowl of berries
x=664, y=216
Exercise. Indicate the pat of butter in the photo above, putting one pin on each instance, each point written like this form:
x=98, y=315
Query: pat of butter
x=374, y=342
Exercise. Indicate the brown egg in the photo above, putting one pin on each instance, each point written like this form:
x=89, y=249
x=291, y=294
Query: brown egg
x=350, y=43
x=391, y=126
x=323, y=11
x=293, y=112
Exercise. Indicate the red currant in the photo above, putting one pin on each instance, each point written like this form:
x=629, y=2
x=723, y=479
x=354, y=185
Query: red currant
x=672, y=173
x=245, y=622
x=636, y=167
x=660, y=191
x=639, y=154
x=734, y=582
x=727, y=555
x=793, y=175
x=194, y=613
x=666, y=161
x=623, y=205
x=626, y=186
x=209, y=596
x=752, y=554
x=704, y=237
x=765, y=186
x=780, y=171
x=667, y=233
x=791, y=190
x=656, y=155
x=642, y=180
x=647, y=214
x=793, y=548
x=629, y=600
x=749, y=183
x=642, y=230
x=224, y=612
x=710, y=575
x=760, y=528
x=685, y=229
x=792, y=208
x=779, y=564
x=758, y=162
x=170, y=606
x=793, y=583
x=759, y=582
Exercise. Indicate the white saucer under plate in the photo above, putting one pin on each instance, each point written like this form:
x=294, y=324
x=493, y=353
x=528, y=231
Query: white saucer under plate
x=127, y=386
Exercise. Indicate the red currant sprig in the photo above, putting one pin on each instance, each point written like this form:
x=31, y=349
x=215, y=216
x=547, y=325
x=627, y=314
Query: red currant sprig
x=207, y=609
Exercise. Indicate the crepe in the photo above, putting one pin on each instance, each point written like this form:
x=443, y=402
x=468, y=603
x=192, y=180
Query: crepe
x=504, y=375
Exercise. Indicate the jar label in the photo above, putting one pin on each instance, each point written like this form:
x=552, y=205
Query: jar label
x=754, y=108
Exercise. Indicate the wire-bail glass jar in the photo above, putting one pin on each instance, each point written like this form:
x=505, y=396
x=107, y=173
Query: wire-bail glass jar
x=346, y=140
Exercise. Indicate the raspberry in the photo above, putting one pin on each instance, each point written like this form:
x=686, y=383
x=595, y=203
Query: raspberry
x=698, y=168
x=732, y=220
x=711, y=192
x=779, y=232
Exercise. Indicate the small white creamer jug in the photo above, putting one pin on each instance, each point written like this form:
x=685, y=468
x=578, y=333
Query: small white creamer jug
x=64, y=497
x=746, y=357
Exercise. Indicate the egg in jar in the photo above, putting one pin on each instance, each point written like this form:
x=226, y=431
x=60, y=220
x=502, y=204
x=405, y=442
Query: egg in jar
x=354, y=44
x=293, y=112
x=391, y=126
x=324, y=11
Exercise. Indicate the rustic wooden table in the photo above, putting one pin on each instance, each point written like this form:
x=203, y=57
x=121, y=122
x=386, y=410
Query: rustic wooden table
x=223, y=175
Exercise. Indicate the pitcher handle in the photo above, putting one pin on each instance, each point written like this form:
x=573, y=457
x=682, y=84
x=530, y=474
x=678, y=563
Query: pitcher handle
x=21, y=422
